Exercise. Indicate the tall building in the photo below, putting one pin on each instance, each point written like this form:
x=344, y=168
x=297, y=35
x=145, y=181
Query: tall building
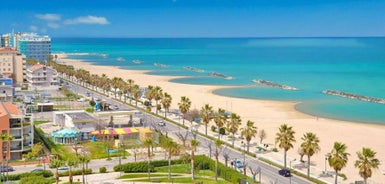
x=34, y=46
x=9, y=40
x=13, y=122
x=12, y=64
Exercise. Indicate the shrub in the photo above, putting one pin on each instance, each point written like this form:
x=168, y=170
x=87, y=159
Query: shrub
x=36, y=180
x=92, y=103
x=14, y=177
x=103, y=170
x=90, y=110
x=222, y=131
x=274, y=150
x=213, y=128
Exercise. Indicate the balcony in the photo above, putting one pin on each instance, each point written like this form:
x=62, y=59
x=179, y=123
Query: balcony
x=15, y=148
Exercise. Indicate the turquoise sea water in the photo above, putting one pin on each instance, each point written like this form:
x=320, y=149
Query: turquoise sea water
x=353, y=65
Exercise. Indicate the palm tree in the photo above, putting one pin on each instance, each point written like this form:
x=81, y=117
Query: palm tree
x=310, y=146
x=233, y=125
x=56, y=163
x=169, y=145
x=220, y=119
x=206, y=115
x=249, y=132
x=218, y=147
x=366, y=162
x=148, y=144
x=5, y=141
x=116, y=81
x=136, y=93
x=166, y=102
x=83, y=159
x=71, y=162
x=184, y=105
x=194, y=144
x=130, y=83
x=285, y=139
x=338, y=158
x=158, y=95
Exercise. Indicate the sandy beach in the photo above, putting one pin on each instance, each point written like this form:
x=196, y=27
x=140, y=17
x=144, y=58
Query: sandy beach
x=267, y=115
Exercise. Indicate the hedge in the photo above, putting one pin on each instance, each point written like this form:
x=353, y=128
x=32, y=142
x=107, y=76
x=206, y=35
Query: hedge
x=36, y=180
x=75, y=172
x=15, y=177
x=134, y=167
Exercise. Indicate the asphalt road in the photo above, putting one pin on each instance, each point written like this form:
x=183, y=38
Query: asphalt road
x=269, y=173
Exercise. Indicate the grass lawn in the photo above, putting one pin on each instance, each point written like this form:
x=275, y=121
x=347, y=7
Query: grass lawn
x=181, y=168
x=143, y=175
x=99, y=150
x=185, y=180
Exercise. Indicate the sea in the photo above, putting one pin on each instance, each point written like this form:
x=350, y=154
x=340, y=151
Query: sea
x=312, y=65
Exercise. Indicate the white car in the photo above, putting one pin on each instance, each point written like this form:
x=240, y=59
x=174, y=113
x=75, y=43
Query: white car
x=81, y=100
x=162, y=123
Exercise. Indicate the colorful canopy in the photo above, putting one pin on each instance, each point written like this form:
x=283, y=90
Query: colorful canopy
x=115, y=131
x=66, y=133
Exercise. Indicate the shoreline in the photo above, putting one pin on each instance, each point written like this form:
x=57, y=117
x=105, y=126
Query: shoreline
x=267, y=115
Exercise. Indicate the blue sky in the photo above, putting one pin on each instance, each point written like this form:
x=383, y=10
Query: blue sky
x=195, y=18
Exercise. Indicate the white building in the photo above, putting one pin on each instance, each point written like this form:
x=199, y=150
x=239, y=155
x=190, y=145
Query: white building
x=34, y=46
x=40, y=75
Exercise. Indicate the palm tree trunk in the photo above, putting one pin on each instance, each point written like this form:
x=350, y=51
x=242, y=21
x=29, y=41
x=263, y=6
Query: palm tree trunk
x=233, y=138
x=83, y=172
x=70, y=175
x=57, y=175
x=248, y=146
x=216, y=168
x=192, y=164
x=169, y=165
x=284, y=159
x=308, y=166
x=336, y=178
x=148, y=161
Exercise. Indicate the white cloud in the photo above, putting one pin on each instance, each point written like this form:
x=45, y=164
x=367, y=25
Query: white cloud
x=33, y=28
x=48, y=17
x=87, y=20
x=53, y=25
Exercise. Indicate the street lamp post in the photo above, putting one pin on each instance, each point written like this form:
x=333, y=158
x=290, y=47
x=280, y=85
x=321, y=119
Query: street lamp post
x=290, y=168
x=326, y=158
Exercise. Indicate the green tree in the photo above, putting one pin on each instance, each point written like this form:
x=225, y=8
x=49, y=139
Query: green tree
x=184, y=106
x=71, y=162
x=148, y=144
x=158, y=95
x=233, y=125
x=56, y=163
x=220, y=119
x=218, y=147
x=285, y=139
x=169, y=145
x=249, y=132
x=136, y=93
x=83, y=159
x=310, y=146
x=338, y=158
x=366, y=162
x=206, y=114
x=194, y=144
x=166, y=102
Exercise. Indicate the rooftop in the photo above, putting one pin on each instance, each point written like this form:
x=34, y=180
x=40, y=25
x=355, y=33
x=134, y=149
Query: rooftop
x=80, y=116
x=9, y=108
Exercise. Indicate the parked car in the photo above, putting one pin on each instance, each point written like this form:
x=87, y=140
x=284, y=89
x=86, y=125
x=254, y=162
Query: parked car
x=6, y=168
x=62, y=169
x=81, y=99
x=162, y=123
x=115, y=107
x=284, y=172
x=37, y=170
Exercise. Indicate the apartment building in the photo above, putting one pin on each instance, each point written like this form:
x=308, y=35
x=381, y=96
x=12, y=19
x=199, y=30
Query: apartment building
x=12, y=64
x=7, y=90
x=40, y=75
x=34, y=46
x=13, y=122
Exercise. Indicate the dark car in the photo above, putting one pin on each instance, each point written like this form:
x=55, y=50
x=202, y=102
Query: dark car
x=284, y=172
x=6, y=168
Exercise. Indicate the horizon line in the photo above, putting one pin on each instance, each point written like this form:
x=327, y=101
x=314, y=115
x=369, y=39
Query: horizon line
x=235, y=37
